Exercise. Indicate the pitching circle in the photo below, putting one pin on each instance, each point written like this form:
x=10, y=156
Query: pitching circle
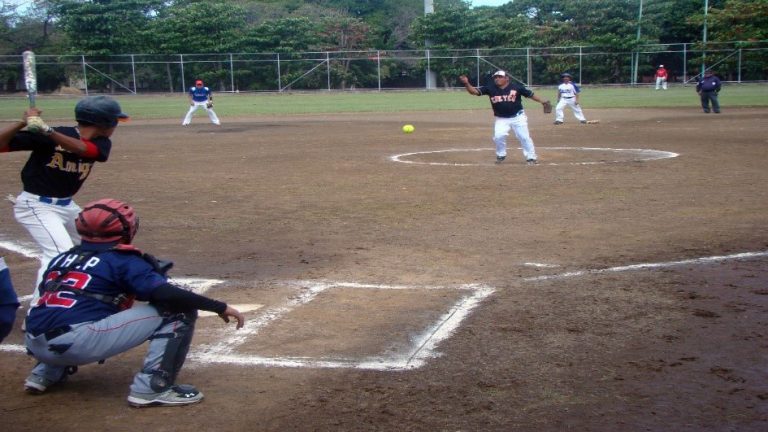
x=627, y=155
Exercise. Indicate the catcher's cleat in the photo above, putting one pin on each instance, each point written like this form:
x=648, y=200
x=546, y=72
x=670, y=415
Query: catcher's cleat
x=583, y=122
x=500, y=159
x=531, y=162
x=558, y=122
x=177, y=395
x=36, y=385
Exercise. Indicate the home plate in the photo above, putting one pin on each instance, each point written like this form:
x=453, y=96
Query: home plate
x=243, y=308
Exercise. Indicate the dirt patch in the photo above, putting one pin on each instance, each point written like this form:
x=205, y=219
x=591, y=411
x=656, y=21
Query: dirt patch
x=272, y=205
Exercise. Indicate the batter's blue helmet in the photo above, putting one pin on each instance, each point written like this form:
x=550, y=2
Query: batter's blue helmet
x=565, y=74
x=99, y=111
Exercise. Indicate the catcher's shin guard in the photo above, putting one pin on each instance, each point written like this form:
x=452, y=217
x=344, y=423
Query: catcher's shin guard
x=171, y=343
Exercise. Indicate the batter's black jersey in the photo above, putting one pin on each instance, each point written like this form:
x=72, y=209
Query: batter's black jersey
x=506, y=102
x=52, y=171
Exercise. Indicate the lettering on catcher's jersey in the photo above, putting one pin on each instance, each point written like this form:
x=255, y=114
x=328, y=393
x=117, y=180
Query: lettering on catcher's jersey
x=74, y=280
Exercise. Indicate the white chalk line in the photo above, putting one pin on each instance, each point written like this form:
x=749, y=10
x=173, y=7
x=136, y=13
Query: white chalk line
x=423, y=345
x=693, y=261
x=640, y=155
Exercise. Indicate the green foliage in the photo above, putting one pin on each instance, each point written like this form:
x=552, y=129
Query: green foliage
x=104, y=27
x=200, y=27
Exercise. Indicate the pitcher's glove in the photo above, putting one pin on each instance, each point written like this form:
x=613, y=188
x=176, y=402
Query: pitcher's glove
x=547, y=107
x=209, y=104
x=36, y=125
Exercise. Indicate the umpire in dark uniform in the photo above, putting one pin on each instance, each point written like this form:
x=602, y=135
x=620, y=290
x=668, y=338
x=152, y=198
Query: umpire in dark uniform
x=708, y=89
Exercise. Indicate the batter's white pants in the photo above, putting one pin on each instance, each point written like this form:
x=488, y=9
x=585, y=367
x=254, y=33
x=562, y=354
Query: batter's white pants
x=211, y=114
x=519, y=124
x=571, y=102
x=51, y=225
x=661, y=82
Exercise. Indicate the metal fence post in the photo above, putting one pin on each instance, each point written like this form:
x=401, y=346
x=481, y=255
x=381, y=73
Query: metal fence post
x=85, y=75
x=231, y=73
x=181, y=62
x=528, y=66
x=477, y=64
x=279, y=81
x=328, y=69
x=378, y=68
x=133, y=72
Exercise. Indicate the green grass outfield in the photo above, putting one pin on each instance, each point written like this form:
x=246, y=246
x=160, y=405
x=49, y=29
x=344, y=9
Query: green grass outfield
x=158, y=106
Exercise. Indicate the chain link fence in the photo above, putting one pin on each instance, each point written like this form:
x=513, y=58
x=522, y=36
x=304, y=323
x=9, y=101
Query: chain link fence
x=385, y=70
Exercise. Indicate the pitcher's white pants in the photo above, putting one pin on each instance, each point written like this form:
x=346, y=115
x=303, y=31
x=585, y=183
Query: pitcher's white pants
x=661, y=82
x=560, y=109
x=519, y=124
x=211, y=114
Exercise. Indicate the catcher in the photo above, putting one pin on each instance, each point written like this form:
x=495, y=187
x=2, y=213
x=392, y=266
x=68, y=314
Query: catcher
x=200, y=96
x=85, y=312
x=508, y=110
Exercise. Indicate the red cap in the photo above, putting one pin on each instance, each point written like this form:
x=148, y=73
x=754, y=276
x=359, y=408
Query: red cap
x=199, y=82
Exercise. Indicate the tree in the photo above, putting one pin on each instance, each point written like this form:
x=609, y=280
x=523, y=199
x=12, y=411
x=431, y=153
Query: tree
x=104, y=27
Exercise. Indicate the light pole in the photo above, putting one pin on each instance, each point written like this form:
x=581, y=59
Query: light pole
x=429, y=7
x=704, y=40
x=637, y=53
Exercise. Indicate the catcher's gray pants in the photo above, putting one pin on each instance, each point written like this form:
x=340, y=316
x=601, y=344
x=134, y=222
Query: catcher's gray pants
x=93, y=341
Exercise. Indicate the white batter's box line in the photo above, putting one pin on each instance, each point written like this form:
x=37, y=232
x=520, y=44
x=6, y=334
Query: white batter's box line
x=253, y=327
x=423, y=346
x=28, y=250
x=646, y=266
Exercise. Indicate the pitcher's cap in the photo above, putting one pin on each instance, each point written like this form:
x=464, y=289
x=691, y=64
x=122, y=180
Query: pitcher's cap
x=99, y=111
x=500, y=73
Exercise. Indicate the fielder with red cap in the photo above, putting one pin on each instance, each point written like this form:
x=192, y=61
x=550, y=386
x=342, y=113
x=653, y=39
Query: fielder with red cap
x=86, y=314
x=200, y=96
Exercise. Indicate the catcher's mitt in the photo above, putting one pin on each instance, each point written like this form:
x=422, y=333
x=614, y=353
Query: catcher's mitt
x=209, y=105
x=547, y=107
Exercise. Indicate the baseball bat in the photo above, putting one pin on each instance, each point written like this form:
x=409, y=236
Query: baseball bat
x=30, y=75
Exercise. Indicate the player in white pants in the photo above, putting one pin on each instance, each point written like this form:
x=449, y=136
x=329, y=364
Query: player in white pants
x=60, y=161
x=506, y=102
x=200, y=96
x=568, y=95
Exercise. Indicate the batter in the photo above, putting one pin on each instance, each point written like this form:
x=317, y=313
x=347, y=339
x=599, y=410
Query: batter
x=60, y=161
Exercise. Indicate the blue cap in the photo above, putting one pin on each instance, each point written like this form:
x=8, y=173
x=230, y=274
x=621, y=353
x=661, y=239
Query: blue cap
x=99, y=111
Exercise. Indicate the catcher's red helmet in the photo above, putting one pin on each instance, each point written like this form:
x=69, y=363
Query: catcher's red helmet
x=107, y=220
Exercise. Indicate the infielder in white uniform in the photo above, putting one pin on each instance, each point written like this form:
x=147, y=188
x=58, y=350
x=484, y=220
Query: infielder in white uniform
x=568, y=95
x=60, y=161
x=200, y=96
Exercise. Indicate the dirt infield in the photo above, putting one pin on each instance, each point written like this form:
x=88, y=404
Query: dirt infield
x=406, y=282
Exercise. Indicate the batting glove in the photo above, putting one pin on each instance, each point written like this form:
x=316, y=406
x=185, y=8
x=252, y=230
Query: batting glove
x=36, y=125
